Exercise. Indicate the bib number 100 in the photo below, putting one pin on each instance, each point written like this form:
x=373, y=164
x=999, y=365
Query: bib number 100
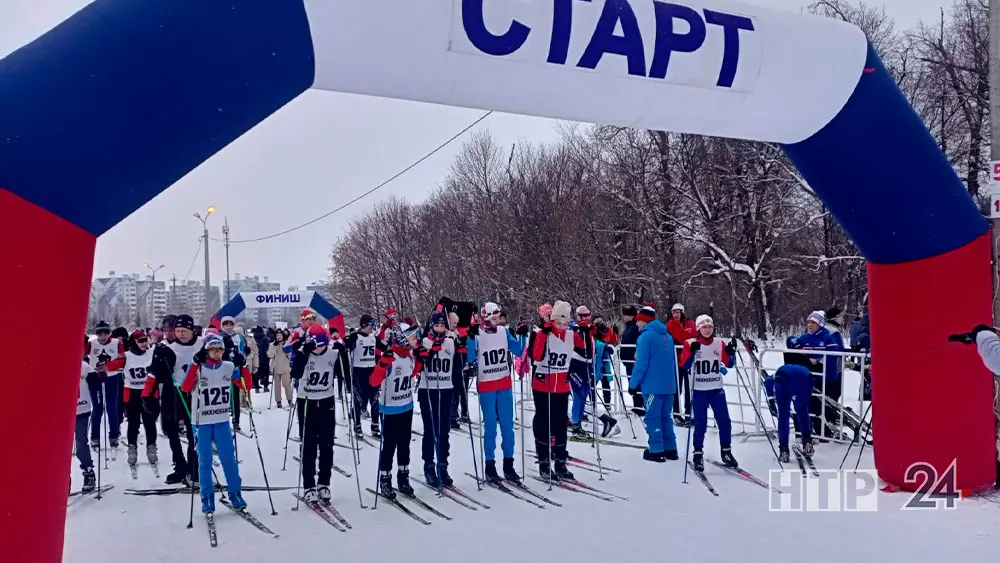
x=215, y=396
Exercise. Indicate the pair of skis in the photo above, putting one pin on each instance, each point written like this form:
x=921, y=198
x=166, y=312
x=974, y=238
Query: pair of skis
x=161, y=491
x=213, y=536
x=77, y=496
x=406, y=510
x=583, y=464
x=604, y=442
x=134, y=469
x=737, y=471
x=327, y=512
x=335, y=467
x=571, y=486
x=804, y=459
x=455, y=494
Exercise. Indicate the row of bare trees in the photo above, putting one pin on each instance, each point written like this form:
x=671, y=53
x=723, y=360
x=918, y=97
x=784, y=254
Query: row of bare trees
x=609, y=216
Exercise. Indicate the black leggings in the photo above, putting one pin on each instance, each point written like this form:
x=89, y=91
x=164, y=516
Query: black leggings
x=540, y=424
x=435, y=401
x=133, y=404
x=320, y=424
x=396, y=430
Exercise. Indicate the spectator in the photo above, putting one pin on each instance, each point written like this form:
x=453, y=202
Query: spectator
x=630, y=335
x=654, y=372
x=681, y=329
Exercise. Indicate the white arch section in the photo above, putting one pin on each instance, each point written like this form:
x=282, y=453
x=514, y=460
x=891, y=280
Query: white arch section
x=787, y=75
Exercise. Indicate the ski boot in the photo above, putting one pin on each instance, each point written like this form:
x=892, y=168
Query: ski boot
x=431, y=475
x=133, y=455
x=545, y=469
x=728, y=459
x=670, y=455
x=177, y=477
x=278, y=403
x=609, y=426
x=358, y=433
x=95, y=444
x=464, y=419
x=208, y=503
x=325, y=496
x=236, y=426
x=89, y=480
x=698, y=461
x=561, y=472
x=455, y=424
x=650, y=456
x=577, y=430
x=446, y=480
x=113, y=442
x=784, y=456
x=508, y=471
x=236, y=499
x=385, y=485
x=403, y=482
x=151, y=455
x=311, y=496
x=376, y=432
x=807, y=447
x=491, y=472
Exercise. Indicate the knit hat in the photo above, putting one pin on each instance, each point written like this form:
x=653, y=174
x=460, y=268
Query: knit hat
x=629, y=310
x=677, y=307
x=366, y=320
x=544, y=310
x=319, y=334
x=561, y=311
x=227, y=319
x=703, y=320
x=818, y=317
x=184, y=321
x=102, y=326
x=646, y=314
x=833, y=312
x=307, y=314
x=438, y=319
x=582, y=311
x=214, y=341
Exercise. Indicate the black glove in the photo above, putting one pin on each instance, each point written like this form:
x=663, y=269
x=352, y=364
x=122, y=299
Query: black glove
x=633, y=390
x=297, y=345
x=695, y=346
x=239, y=360
x=309, y=347
x=547, y=328
x=474, y=330
x=93, y=378
x=150, y=405
x=200, y=357
x=522, y=329
x=602, y=331
x=969, y=337
x=731, y=347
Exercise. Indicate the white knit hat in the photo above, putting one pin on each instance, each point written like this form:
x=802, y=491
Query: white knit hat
x=818, y=317
x=561, y=311
x=703, y=320
x=677, y=307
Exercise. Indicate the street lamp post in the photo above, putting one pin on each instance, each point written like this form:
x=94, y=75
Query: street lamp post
x=204, y=236
x=152, y=284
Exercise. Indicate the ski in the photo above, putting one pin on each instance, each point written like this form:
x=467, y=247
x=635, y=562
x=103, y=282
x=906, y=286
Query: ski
x=342, y=472
x=605, y=442
x=569, y=487
x=104, y=489
x=212, y=537
x=244, y=514
x=802, y=464
x=594, y=489
x=401, y=507
x=187, y=490
x=505, y=489
x=420, y=502
x=809, y=460
x=336, y=514
x=521, y=486
x=447, y=493
x=583, y=464
x=739, y=472
x=468, y=497
x=244, y=434
x=315, y=507
x=703, y=479
x=78, y=496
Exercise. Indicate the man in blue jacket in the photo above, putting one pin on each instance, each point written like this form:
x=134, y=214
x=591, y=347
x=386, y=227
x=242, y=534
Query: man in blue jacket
x=655, y=371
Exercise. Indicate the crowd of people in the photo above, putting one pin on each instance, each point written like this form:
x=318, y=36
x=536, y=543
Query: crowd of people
x=194, y=382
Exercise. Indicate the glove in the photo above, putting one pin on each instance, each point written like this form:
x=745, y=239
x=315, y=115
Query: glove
x=149, y=405
x=695, y=346
x=547, y=328
x=633, y=390
x=791, y=342
x=200, y=357
x=93, y=378
x=731, y=347
x=474, y=330
x=297, y=344
x=522, y=329
x=602, y=331
x=309, y=347
x=239, y=360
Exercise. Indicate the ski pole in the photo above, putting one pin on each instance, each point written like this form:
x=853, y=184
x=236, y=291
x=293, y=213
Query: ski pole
x=523, y=424
x=100, y=422
x=253, y=428
x=378, y=464
x=687, y=452
x=352, y=439
x=288, y=433
x=756, y=411
x=621, y=397
x=434, y=421
x=864, y=440
x=593, y=404
x=472, y=440
x=302, y=443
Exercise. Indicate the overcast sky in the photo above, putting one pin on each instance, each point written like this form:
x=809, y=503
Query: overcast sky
x=318, y=152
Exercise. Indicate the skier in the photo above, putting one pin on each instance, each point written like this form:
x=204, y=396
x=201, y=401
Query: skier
x=681, y=329
x=306, y=319
x=791, y=381
x=987, y=343
x=316, y=368
x=551, y=348
x=208, y=381
x=630, y=335
x=170, y=365
x=491, y=345
x=394, y=376
x=364, y=355
x=106, y=357
x=706, y=358
x=435, y=397
x=138, y=359
x=580, y=364
x=655, y=372
x=83, y=408
x=236, y=345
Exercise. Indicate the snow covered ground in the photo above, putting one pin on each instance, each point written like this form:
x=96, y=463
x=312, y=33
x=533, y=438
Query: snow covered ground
x=663, y=520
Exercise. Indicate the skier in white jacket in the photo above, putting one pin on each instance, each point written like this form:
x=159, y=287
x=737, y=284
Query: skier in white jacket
x=988, y=343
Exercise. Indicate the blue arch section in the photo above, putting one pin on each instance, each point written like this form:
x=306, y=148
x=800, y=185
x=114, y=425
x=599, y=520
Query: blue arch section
x=882, y=175
x=136, y=94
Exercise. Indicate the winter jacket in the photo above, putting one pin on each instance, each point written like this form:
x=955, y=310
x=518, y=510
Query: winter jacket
x=861, y=338
x=655, y=368
x=280, y=363
x=682, y=330
x=822, y=339
x=630, y=335
x=602, y=361
x=989, y=350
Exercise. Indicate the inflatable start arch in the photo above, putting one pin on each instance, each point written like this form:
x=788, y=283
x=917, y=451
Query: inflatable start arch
x=115, y=104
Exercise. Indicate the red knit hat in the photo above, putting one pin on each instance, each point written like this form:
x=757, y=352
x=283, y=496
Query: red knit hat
x=646, y=314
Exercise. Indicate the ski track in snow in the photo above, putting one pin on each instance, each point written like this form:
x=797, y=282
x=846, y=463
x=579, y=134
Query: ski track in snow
x=679, y=521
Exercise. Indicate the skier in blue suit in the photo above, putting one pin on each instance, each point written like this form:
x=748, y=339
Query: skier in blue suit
x=790, y=382
x=655, y=373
